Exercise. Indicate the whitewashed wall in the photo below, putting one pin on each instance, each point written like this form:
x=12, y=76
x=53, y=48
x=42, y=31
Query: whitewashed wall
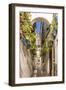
x=43, y=15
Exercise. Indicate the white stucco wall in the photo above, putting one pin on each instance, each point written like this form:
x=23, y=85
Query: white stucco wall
x=47, y=16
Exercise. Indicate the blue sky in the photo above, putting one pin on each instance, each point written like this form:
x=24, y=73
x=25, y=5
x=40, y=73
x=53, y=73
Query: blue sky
x=38, y=26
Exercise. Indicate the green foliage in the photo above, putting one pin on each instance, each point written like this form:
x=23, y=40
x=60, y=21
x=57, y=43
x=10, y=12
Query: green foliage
x=27, y=28
x=29, y=32
x=54, y=24
x=47, y=45
x=25, y=22
x=45, y=48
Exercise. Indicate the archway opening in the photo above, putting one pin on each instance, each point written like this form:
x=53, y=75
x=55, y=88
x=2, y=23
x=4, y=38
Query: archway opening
x=41, y=29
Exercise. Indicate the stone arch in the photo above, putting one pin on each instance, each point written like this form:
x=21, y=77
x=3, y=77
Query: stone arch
x=45, y=21
x=40, y=38
x=40, y=19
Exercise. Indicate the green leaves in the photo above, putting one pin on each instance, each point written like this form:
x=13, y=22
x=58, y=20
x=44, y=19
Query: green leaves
x=54, y=24
x=45, y=48
x=47, y=45
x=27, y=28
x=25, y=22
x=29, y=32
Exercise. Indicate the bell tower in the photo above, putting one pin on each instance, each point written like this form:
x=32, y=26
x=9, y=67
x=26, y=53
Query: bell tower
x=37, y=59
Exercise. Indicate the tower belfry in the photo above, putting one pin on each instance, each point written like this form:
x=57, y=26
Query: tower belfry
x=37, y=58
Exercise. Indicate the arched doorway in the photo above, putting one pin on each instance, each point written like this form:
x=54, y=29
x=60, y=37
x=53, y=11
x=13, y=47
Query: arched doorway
x=44, y=26
x=41, y=26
